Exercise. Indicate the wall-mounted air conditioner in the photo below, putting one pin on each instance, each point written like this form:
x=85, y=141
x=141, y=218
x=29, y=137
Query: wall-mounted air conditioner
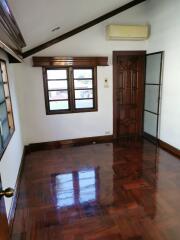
x=127, y=32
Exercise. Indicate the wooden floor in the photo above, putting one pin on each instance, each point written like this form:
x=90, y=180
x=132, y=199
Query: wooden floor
x=100, y=192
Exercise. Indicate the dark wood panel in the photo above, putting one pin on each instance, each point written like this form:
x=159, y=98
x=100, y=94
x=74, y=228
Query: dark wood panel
x=67, y=143
x=128, y=93
x=127, y=191
x=82, y=28
x=69, y=61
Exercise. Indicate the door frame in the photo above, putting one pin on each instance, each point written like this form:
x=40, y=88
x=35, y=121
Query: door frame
x=123, y=53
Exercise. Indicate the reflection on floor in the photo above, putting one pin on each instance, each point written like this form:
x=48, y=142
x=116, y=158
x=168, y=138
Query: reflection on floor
x=75, y=188
x=127, y=191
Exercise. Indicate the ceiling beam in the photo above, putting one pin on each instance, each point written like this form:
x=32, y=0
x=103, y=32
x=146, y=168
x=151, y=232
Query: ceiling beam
x=82, y=28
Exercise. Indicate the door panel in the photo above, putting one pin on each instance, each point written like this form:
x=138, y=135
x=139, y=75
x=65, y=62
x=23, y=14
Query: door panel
x=128, y=74
x=4, y=231
x=152, y=95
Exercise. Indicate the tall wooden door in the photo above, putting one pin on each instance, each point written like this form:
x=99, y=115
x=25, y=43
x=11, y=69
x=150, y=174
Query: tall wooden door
x=128, y=93
x=4, y=231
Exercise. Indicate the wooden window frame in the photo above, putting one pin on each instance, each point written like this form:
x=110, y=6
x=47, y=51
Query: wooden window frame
x=71, y=90
x=11, y=130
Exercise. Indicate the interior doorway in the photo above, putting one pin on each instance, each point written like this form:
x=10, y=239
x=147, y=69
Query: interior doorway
x=128, y=93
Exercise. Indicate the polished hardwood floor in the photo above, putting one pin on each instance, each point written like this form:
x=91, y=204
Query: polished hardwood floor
x=111, y=191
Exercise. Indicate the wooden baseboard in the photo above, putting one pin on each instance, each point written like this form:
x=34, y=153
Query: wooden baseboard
x=67, y=143
x=169, y=148
x=16, y=193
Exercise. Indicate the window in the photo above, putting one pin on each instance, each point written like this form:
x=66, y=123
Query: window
x=70, y=90
x=6, y=114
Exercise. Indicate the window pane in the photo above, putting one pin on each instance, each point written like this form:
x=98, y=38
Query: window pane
x=84, y=103
x=151, y=98
x=83, y=84
x=5, y=131
x=59, y=105
x=150, y=123
x=1, y=92
x=153, y=68
x=57, y=74
x=55, y=95
x=3, y=112
x=57, y=85
x=83, y=94
x=83, y=73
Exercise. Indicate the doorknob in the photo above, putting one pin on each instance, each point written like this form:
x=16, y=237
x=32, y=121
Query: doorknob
x=8, y=192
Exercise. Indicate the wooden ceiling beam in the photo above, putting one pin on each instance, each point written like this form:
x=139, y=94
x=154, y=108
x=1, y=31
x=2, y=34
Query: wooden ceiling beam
x=82, y=28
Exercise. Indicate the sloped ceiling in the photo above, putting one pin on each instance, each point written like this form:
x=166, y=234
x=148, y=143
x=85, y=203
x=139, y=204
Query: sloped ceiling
x=36, y=18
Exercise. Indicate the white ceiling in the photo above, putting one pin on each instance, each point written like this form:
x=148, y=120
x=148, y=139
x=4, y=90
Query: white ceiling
x=36, y=18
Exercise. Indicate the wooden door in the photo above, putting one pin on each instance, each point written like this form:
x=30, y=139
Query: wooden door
x=128, y=93
x=4, y=231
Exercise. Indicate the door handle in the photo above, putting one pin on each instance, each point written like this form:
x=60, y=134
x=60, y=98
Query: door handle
x=8, y=192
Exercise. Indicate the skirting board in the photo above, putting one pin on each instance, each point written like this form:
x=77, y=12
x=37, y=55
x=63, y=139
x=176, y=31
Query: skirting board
x=16, y=193
x=67, y=143
x=169, y=148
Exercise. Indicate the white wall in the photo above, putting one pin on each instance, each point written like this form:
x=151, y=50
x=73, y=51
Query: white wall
x=10, y=162
x=165, y=36
x=37, y=127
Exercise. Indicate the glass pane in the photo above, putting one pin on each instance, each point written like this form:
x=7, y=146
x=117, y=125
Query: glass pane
x=3, y=112
x=64, y=190
x=83, y=94
x=151, y=98
x=153, y=68
x=59, y=105
x=55, y=95
x=83, y=84
x=57, y=74
x=57, y=85
x=150, y=123
x=1, y=92
x=83, y=73
x=87, y=186
x=84, y=103
x=5, y=131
